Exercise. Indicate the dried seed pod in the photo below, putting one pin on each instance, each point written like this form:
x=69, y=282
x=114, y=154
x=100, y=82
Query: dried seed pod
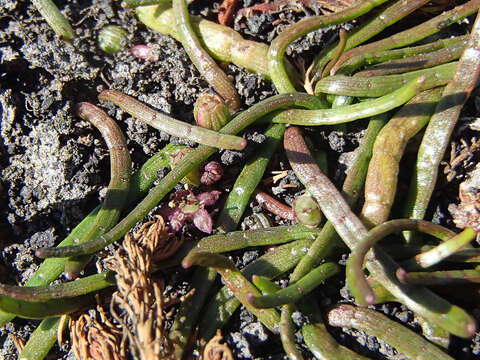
x=112, y=39
x=211, y=111
x=307, y=211
x=212, y=172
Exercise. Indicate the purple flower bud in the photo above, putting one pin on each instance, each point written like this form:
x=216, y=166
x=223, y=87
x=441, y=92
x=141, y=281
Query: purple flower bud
x=208, y=198
x=203, y=221
x=212, y=172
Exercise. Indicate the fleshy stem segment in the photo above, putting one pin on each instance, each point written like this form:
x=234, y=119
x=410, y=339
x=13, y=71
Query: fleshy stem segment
x=50, y=269
x=57, y=21
x=418, y=62
x=119, y=186
x=413, y=34
x=170, y=125
x=200, y=58
x=69, y=289
x=276, y=207
x=236, y=240
x=352, y=231
x=270, y=265
x=189, y=162
x=381, y=181
x=374, y=323
x=295, y=291
x=376, y=57
x=439, y=277
x=351, y=112
x=445, y=249
x=440, y=127
x=386, y=17
x=382, y=85
x=354, y=274
x=248, y=180
x=342, y=34
x=235, y=281
x=278, y=46
x=42, y=309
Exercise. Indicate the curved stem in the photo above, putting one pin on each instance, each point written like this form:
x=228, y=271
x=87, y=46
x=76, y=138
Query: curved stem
x=354, y=273
x=352, y=231
x=351, y=112
x=118, y=187
x=296, y=290
x=200, y=58
x=192, y=160
x=170, y=125
x=445, y=249
x=278, y=46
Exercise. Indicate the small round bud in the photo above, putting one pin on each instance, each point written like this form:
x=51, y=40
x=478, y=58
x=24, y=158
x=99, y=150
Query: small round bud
x=112, y=39
x=211, y=111
x=307, y=211
x=212, y=172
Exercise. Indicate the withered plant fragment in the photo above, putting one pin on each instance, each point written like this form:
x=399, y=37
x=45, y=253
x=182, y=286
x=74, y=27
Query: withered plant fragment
x=98, y=339
x=216, y=349
x=467, y=213
x=156, y=231
x=139, y=301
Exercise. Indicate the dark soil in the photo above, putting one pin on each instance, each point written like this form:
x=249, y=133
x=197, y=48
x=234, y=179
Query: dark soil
x=55, y=167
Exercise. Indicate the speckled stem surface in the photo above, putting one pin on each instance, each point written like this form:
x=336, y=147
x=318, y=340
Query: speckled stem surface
x=415, y=33
x=279, y=45
x=352, y=231
x=207, y=67
x=440, y=127
x=170, y=125
x=382, y=175
x=374, y=323
x=353, y=112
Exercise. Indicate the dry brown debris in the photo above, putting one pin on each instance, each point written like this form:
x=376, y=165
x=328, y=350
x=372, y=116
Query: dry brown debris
x=300, y=5
x=226, y=10
x=135, y=324
x=138, y=304
x=216, y=349
x=461, y=156
x=96, y=339
x=156, y=232
x=467, y=213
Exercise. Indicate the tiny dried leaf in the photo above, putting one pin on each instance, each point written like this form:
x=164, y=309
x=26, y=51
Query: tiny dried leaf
x=216, y=349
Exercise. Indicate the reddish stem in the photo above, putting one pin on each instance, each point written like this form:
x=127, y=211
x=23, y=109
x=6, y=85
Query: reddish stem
x=274, y=206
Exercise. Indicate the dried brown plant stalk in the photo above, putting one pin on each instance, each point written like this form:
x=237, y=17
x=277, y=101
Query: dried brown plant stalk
x=98, y=339
x=216, y=349
x=138, y=303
